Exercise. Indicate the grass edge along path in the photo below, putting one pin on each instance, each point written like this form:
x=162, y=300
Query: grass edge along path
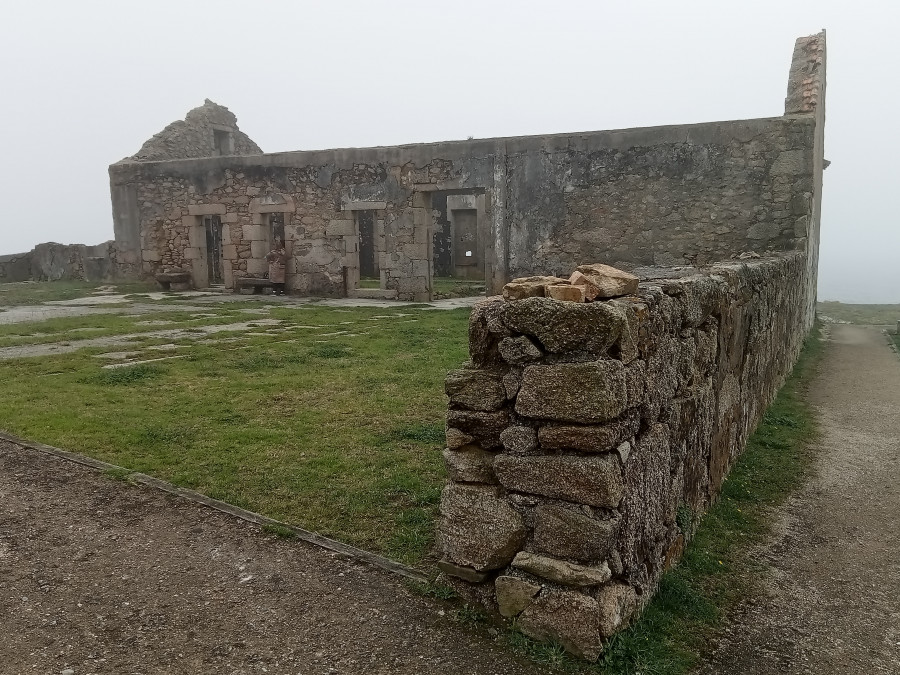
x=717, y=571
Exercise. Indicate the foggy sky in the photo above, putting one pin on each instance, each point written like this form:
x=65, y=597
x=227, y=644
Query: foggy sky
x=84, y=83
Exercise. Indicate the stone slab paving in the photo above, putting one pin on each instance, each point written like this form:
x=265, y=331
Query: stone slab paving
x=100, y=576
x=832, y=602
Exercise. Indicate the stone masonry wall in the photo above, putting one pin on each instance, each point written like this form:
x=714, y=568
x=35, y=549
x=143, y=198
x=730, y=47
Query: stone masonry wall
x=317, y=204
x=584, y=439
x=667, y=195
x=53, y=262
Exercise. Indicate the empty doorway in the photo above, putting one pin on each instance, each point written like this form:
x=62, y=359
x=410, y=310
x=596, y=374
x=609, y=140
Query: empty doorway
x=368, y=261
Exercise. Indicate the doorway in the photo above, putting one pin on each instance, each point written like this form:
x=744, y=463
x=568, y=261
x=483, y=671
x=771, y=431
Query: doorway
x=213, y=227
x=466, y=256
x=368, y=263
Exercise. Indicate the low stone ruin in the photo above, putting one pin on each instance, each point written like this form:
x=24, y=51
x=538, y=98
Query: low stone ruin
x=55, y=262
x=584, y=439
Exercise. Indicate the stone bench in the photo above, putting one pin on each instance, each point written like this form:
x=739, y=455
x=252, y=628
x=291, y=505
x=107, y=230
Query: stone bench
x=257, y=285
x=174, y=281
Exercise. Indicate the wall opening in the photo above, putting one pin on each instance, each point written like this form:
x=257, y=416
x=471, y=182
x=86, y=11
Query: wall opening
x=460, y=228
x=213, y=227
x=368, y=258
x=223, y=142
x=467, y=259
x=276, y=228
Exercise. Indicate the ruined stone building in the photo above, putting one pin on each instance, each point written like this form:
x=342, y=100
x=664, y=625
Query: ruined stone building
x=201, y=196
x=584, y=440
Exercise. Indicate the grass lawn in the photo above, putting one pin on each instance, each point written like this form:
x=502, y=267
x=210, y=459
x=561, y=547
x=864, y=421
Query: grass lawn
x=32, y=293
x=877, y=315
x=332, y=420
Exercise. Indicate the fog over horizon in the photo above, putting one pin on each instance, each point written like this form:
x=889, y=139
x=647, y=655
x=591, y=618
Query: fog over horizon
x=86, y=83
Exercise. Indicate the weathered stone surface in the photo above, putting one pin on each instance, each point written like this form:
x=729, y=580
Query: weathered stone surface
x=529, y=287
x=573, y=392
x=512, y=380
x=519, y=439
x=514, y=594
x=602, y=281
x=483, y=427
x=519, y=350
x=566, y=533
x=617, y=603
x=568, y=617
x=593, y=438
x=462, y=572
x=486, y=330
x=456, y=438
x=596, y=481
x=566, y=293
x=635, y=383
x=478, y=529
x=475, y=389
x=560, y=571
x=566, y=326
x=470, y=464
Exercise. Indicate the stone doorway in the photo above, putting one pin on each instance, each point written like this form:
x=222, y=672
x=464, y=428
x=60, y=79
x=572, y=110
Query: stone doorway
x=213, y=227
x=368, y=258
x=460, y=228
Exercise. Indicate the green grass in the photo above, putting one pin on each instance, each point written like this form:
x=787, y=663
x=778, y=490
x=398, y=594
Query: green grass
x=877, y=315
x=36, y=292
x=280, y=531
x=340, y=435
x=718, y=569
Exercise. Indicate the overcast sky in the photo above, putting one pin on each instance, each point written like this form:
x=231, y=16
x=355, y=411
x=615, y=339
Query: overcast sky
x=84, y=83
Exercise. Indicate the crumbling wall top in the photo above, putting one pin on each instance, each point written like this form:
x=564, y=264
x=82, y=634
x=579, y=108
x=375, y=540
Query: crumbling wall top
x=210, y=130
x=806, y=82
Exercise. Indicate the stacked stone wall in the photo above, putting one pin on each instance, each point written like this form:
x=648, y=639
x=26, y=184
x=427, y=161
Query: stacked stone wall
x=317, y=204
x=71, y=262
x=583, y=440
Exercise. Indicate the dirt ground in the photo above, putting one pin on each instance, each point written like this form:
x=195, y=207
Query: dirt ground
x=832, y=604
x=100, y=576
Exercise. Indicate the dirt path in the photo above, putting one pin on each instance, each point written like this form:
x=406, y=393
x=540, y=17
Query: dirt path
x=100, y=576
x=833, y=603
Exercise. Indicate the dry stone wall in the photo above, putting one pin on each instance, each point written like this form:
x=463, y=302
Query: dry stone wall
x=53, y=262
x=583, y=438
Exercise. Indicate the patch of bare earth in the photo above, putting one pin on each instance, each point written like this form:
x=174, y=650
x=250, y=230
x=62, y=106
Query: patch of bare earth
x=832, y=602
x=101, y=576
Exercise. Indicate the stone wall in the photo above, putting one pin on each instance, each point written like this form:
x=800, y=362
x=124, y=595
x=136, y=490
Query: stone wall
x=583, y=440
x=667, y=195
x=54, y=262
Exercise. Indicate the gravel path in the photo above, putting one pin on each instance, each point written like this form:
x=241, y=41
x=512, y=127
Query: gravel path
x=100, y=576
x=833, y=601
